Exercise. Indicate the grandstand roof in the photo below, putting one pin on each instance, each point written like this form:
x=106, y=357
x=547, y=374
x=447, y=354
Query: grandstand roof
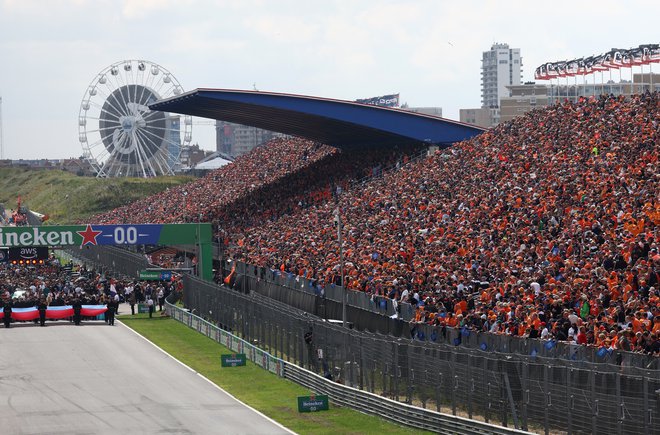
x=344, y=124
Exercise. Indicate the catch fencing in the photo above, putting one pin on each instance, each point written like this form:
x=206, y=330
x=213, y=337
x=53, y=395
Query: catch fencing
x=530, y=392
x=547, y=390
x=375, y=314
x=339, y=394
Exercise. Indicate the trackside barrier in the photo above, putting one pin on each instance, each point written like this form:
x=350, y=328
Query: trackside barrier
x=374, y=313
x=362, y=401
x=527, y=384
x=261, y=358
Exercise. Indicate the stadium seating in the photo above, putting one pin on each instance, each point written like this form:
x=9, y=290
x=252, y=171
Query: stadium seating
x=543, y=226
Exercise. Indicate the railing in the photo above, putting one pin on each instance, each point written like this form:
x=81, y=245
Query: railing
x=374, y=313
x=339, y=394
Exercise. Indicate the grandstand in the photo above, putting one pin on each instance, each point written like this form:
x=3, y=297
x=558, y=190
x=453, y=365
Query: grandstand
x=533, y=218
x=545, y=227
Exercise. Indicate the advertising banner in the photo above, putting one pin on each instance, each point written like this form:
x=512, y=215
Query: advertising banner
x=313, y=403
x=383, y=101
x=233, y=359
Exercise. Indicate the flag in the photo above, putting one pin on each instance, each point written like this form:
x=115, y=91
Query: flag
x=539, y=73
x=608, y=60
x=93, y=310
x=551, y=70
x=59, y=312
x=230, y=279
x=24, y=314
x=654, y=54
x=598, y=63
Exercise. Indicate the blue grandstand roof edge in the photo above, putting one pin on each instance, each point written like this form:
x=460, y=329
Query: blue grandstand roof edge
x=336, y=122
x=337, y=100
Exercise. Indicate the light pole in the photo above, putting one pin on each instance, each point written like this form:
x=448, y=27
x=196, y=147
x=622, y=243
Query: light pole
x=341, y=267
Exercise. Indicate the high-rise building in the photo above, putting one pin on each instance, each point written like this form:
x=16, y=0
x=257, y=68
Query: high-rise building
x=501, y=66
x=236, y=139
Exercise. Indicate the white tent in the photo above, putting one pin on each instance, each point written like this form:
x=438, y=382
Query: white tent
x=216, y=163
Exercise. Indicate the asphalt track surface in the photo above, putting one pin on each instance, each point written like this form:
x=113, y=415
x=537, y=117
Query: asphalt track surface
x=100, y=379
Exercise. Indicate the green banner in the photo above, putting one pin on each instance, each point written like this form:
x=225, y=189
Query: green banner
x=143, y=308
x=155, y=275
x=125, y=234
x=313, y=403
x=233, y=359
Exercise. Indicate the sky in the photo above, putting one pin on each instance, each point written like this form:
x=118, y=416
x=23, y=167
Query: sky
x=428, y=51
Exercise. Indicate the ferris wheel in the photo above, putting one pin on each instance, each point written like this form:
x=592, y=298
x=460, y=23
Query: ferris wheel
x=119, y=134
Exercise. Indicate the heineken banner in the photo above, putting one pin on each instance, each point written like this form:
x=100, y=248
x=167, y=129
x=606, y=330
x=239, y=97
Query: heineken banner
x=84, y=235
x=155, y=275
x=232, y=360
x=313, y=403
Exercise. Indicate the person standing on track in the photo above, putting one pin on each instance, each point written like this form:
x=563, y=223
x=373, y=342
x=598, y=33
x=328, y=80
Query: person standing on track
x=150, y=304
x=42, y=311
x=161, y=298
x=112, y=307
x=7, y=311
x=131, y=301
x=77, y=308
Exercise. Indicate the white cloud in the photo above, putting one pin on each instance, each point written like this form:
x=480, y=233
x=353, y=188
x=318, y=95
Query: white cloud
x=140, y=8
x=429, y=50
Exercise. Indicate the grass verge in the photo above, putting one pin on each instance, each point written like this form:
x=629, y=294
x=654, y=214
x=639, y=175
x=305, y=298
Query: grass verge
x=264, y=391
x=67, y=198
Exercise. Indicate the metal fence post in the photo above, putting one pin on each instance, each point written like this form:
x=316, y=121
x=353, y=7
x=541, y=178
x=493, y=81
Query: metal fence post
x=470, y=387
x=361, y=366
x=280, y=335
x=397, y=375
x=619, y=404
x=385, y=370
x=548, y=403
x=571, y=400
x=423, y=392
x=503, y=399
x=645, y=401
x=512, y=404
x=525, y=395
x=411, y=380
x=438, y=394
x=454, y=380
x=489, y=404
x=395, y=367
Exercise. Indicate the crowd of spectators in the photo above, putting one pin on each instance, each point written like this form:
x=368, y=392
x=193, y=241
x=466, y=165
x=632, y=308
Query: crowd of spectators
x=544, y=226
x=204, y=198
x=547, y=225
x=56, y=285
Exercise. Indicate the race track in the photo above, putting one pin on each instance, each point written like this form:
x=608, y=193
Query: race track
x=98, y=379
